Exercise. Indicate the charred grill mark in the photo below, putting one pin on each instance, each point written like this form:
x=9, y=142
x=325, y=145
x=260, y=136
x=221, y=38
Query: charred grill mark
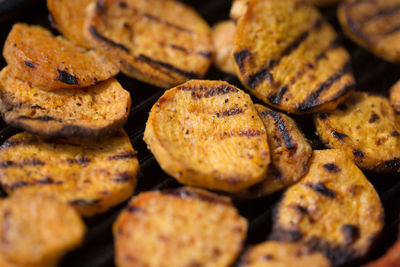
x=123, y=177
x=184, y=193
x=277, y=98
x=126, y=155
x=358, y=153
x=25, y=162
x=66, y=78
x=83, y=202
x=82, y=160
x=169, y=24
x=339, y=136
x=331, y=167
x=240, y=57
x=374, y=117
x=295, y=44
x=313, y=97
x=40, y=118
x=150, y=61
x=350, y=233
x=205, y=54
x=230, y=112
x=247, y=133
x=254, y=79
x=30, y=64
x=322, y=189
x=281, y=126
x=37, y=107
x=134, y=209
x=203, y=91
x=42, y=182
x=93, y=31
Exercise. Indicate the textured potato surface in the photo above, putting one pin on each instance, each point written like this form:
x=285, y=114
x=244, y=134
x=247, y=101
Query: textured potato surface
x=222, y=34
x=179, y=227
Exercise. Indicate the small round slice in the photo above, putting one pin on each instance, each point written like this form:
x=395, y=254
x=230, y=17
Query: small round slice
x=208, y=134
x=364, y=126
x=92, y=175
x=222, y=34
x=290, y=152
x=179, y=227
x=53, y=63
x=161, y=42
x=68, y=17
x=374, y=25
x=282, y=254
x=37, y=230
x=333, y=209
x=288, y=56
x=395, y=96
x=88, y=112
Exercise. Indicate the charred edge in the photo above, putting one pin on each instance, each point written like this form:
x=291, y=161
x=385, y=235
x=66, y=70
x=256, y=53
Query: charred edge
x=66, y=78
x=127, y=155
x=186, y=193
x=169, y=24
x=322, y=189
x=331, y=167
x=52, y=21
x=230, y=112
x=150, y=61
x=277, y=98
x=83, y=202
x=311, y=100
x=374, y=118
x=393, y=164
x=93, y=31
x=350, y=232
x=339, y=136
x=395, y=134
x=254, y=79
x=134, y=209
x=240, y=57
x=358, y=153
x=123, y=177
x=30, y=64
x=40, y=118
x=37, y=107
x=285, y=134
x=393, y=30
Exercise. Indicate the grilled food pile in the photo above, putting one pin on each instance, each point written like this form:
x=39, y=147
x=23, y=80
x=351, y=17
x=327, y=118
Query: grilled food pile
x=74, y=159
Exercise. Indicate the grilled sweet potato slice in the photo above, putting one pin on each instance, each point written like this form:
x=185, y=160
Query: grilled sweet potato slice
x=222, y=34
x=52, y=63
x=374, y=25
x=184, y=226
x=395, y=96
x=161, y=42
x=68, y=17
x=37, y=230
x=89, y=112
x=290, y=152
x=208, y=134
x=287, y=55
x=90, y=174
x=365, y=127
x=333, y=209
x=282, y=254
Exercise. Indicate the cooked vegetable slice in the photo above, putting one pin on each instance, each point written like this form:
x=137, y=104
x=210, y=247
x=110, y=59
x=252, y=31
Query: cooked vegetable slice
x=395, y=96
x=333, y=209
x=208, y=134
x=223, y=33
x=179, y=227
x=365, y=127
x=90, y=174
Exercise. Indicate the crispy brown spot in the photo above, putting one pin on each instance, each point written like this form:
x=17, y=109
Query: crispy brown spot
x=331, y=167
x=339, y=136
x=66, y=78
x=30, y=64
x=374, y=118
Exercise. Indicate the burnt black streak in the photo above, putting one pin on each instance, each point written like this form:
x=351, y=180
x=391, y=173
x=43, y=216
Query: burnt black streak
x=169, y=24
x=37, y=107
x=66, y=78
x=323, y=190
x=281, y=126
x=184, y=193
x=127, y=155
x=240, y=57
x=150, y=61
x=358, y=153
x=312, y=98
x=30, y=64
x=277, y=98
x=206, y=91
x=331, y=167
x=82, y=202
x=338, y=135
x=350, y=232
x=93, y=31
x=45, y=181
x=134, y=209
x=254, y=79
x=374, y=118
x=123, y=177
x=40, y=118
x=25, y=162
x=205, y=54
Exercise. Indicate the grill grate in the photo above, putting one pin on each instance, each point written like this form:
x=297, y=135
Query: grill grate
x=372, y=74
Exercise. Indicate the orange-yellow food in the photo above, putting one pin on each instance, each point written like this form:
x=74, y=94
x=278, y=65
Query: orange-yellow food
x=333, y=209
x=179, y=227
x=52, y=63
x=238, y=9
x=161, y=42
x=365, y=127
x=395, y=96
x=374, y=25
x=37, y=230
x=288, y=56
x=390, y=259
x=92, y=175
x=208, y=134
x=68, y=17
x=88, y=112
x=290, y=152
x=282, y=254
x=222, y=34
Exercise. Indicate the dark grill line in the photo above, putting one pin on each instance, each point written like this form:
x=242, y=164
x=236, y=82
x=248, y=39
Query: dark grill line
x=169, y=24
x=281, y=126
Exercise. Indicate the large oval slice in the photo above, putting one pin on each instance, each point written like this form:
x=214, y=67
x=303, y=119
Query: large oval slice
x=365, y=127
x=374, y=25
x=52, y=63
x=288, y=56
x=161, y=42
x=333, y=209
x=184, y=226
x=92, y=175
x=208, y=134
x=88, y=112
x=37, y=230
